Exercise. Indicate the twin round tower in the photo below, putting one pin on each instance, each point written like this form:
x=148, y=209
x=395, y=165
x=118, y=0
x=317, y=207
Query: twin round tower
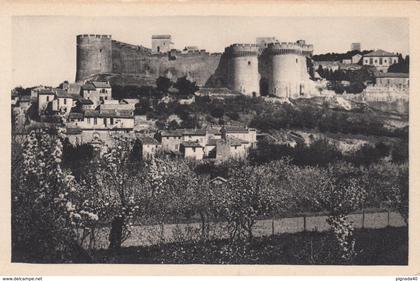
x=278, y=69
x=268, y=67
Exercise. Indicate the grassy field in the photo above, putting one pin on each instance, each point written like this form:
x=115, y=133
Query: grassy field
x=388, y=246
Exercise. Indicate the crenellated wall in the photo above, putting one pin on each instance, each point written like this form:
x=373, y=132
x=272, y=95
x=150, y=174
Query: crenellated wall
x=278, y=70
x=130, y=59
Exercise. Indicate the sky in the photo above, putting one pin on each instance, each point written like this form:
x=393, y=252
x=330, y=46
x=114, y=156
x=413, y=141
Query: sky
x=44, y=47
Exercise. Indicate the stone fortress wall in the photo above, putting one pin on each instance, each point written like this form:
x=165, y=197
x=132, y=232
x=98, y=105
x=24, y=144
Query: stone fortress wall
x=279, y=70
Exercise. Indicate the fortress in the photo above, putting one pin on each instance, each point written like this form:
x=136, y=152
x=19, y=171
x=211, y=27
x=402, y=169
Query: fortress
x=266, y=68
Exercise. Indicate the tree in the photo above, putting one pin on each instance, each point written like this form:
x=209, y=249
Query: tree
x=118, y=184
x=163, y=84
x=185, y=86
x=338, y=190
x=46, y=203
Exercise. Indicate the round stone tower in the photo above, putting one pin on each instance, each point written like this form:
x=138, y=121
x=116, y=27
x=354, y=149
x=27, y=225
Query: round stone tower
x=243, y=68
x=289, y=76
x=93, y=55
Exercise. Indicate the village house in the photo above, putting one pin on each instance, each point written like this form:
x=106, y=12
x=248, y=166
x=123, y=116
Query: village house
x=149, y=147
x=45, y=96
x=399, y=81
x=97, y=92
x=63, y=101
x=112, y=120
x=192, y=150
x=212, y=143
x=380, y=59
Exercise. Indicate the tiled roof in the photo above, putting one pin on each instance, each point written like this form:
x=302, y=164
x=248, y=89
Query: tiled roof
x=380, y=53
x=75, y=115
x=148, y=140
x=46, y=92
x=98, y=84
x=190, y=144
x=391, y=75
x=232, y=129
x=84, y=101
x=88, y=86
x=96, y=113
x=173, y=133
x=193, y=132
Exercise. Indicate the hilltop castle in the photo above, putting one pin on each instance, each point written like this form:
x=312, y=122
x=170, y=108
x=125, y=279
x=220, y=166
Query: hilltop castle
x=268, y=67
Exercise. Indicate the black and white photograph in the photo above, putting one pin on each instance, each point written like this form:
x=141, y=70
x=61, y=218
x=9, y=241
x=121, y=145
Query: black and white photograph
x=218, y=140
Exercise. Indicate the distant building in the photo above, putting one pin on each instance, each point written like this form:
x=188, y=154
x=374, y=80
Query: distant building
x=211, y=143
x=192, y=150
x=45, y=96
x=150, y=147
x=346, y=61
x=355, y=47
x=97, y=120
x=356, y=58
x=398, y=81
x=97, y=92
x=161, y=44
x=380, y=59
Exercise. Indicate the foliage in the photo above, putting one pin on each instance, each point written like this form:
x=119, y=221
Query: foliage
x=185, y=86
x=46, y=204
x=402, y=66
x=163, y=84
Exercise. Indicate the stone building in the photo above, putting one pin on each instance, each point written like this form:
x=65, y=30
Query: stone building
x=380, y=59
x=149, y=147
x=97, y=92
x=398, y=81
x=161, y=44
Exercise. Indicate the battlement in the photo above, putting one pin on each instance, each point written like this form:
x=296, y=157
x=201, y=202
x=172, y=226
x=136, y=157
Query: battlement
x=94, y=36
x=298, y=48
x=164, y=36
x=240, y=50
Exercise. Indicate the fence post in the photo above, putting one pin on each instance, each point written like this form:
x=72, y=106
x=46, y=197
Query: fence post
x=388, y=225
x=162, y=233
x=272, y=227
x=363, y=218
x=304, y=223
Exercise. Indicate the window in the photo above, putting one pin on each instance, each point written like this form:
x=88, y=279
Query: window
x=296, y=62
x=65, y=101
x=249, y=62
x=380, y=61
x=371, y=61
x=48, y=98
x=88, y=120
x=193, y=149
x=100, y=50
x=112, y=121
x=95, y=121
